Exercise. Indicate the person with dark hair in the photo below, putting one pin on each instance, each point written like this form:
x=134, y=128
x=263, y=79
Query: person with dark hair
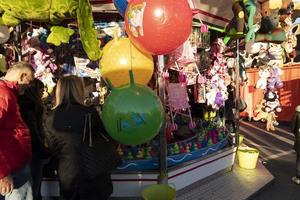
x=32, y=111
x=15, y=144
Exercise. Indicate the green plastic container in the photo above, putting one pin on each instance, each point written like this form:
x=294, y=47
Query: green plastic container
x=159, y=192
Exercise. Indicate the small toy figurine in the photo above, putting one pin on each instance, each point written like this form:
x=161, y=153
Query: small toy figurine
x=198, y=145
x=194, y=146
x=182, y=149
x=220, y=136
x=187, y=148
x=120, y=151
x=129, y=156
x=148, y=153
x=140, y=154
x=209, y=142
x=176, y=149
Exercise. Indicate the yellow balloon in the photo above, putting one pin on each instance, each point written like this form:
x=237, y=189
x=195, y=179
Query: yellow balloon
x=120, y=56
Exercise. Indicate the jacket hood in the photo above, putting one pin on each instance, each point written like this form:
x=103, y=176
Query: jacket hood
x=10, y=84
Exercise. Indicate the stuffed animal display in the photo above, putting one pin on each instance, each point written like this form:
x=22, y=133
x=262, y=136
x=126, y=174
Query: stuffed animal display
x=39, y=57
x=267, y=20
x=12, y=12
x=273, y=25
x=272, y=103
x=216, y=86
x=264, y=74
x=274, y=81
x=268, y=107
x=242, y=10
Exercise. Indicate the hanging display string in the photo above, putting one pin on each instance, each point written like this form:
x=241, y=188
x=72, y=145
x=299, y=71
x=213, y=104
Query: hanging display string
x=198, y=14
x=130, y=51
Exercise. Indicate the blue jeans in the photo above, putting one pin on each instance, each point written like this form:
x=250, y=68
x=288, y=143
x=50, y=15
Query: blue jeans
x=22, y=193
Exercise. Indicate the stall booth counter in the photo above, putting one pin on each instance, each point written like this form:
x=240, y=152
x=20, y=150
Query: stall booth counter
x=131, y=184
x=289, y=94
x=184, y=169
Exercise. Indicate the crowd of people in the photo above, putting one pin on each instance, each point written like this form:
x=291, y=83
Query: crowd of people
x=30, y=136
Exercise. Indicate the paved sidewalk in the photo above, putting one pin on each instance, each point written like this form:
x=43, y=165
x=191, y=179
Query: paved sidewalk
x=238, y=184
x=276, y=150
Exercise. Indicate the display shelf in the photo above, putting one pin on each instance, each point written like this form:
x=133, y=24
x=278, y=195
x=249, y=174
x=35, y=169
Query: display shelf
x=131, y=184
x=172, y=160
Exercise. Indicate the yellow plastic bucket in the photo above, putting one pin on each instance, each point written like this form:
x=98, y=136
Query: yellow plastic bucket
x=159, y=192
x=247, y=157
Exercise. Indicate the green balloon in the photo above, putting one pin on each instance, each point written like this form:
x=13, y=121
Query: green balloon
x=132, y=114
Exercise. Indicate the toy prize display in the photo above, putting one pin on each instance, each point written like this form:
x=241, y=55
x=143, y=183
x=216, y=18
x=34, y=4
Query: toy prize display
x=196, y=73
x=14, y=12
x=269, y=48
x=189, y=136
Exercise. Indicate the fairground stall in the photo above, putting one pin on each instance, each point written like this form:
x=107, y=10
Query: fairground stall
x=165, y=76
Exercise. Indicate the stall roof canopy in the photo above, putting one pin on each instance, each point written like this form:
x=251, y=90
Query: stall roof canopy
x=215, y=12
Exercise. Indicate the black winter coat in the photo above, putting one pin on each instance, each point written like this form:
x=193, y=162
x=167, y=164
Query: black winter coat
x=31, y=109
x=64, y=134
x=295, y=127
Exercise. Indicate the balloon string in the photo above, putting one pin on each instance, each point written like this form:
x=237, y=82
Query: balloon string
x=131, y=56
x=198, y=14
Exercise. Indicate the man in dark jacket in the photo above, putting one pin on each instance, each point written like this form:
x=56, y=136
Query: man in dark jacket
x=32, y=111
x=15, y=145
x=296, y=130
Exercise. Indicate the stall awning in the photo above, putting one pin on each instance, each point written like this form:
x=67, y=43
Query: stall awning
x=102, y=6
x=214, y=12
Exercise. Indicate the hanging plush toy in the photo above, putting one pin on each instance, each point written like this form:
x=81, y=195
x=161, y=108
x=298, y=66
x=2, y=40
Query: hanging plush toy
x=4, y=34
x=243, y=74
x=276, y=53
x=274, y=81
x=271, y=121
x=270, y=29
x=216, y=86
x=264, y=74
x=40, y=60
x=272, y=102
x=183, y=55
x=47, y=78
x=243, y=10
x=12, y=12
x=259, y=113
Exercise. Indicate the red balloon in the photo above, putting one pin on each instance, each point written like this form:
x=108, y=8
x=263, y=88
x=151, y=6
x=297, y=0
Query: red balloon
x=158, y=26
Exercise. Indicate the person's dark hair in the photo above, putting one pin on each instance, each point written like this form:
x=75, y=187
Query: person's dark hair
x=2, y=50
x=37, y=85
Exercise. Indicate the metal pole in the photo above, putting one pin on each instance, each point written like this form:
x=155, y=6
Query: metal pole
x=163, y=168
x=18, y=42
x=237, y=92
